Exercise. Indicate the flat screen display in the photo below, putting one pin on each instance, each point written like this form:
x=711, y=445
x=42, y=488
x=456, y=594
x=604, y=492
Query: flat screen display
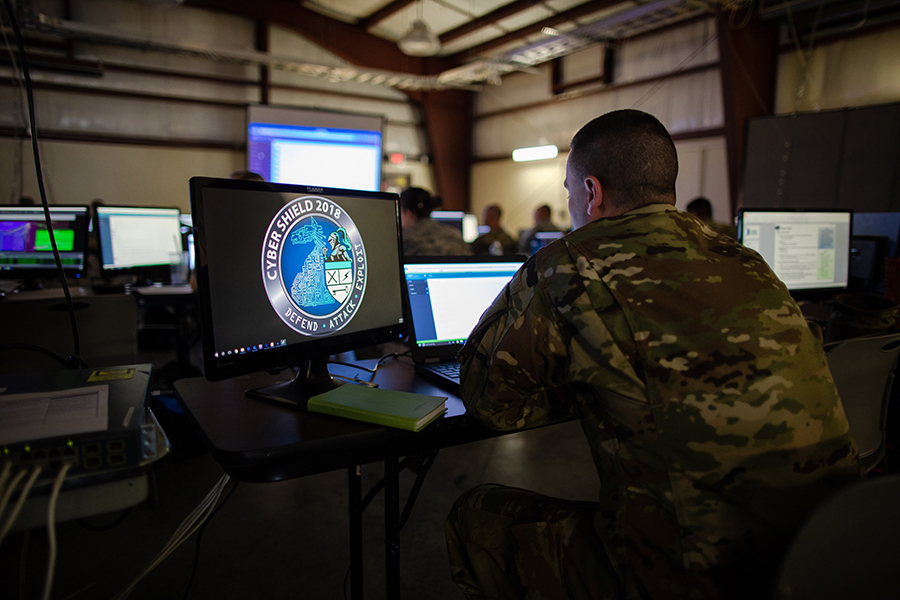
x=289, y=273
x=132, y=237
x=465, y=223
x=25, y=240
x=317, y=148
x=807, y=250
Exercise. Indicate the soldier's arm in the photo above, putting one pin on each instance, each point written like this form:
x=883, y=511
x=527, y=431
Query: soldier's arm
x=515, y=361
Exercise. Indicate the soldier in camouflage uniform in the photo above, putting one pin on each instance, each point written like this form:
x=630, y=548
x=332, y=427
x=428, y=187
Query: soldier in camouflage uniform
x=422, y=235
x=707, y=402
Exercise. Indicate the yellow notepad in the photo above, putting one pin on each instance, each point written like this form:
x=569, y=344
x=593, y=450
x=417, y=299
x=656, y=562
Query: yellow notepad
x=403, y=410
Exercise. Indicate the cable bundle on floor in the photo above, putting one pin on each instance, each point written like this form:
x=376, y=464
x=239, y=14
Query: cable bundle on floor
x=188, y=527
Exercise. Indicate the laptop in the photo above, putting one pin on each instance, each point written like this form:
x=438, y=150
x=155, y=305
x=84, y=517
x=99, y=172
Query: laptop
x=446, y=297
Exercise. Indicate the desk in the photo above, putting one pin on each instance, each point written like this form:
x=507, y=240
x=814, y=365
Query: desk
x=256, y=441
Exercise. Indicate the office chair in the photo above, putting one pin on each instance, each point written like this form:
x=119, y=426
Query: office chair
x=863, y=371
x=847, y=548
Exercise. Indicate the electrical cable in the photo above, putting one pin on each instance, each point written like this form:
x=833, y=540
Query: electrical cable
x=187, y=590
x=4, y=475
x=69, y=363
x=14, y=513
x=51, y=529
x=7, y=494
x=187, y=528
x=40, y=177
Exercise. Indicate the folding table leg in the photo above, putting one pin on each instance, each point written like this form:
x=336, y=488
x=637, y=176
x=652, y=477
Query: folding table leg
x=392, y=528
x=356, y=554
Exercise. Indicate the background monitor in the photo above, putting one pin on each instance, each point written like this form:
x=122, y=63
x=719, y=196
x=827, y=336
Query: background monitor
x=25, y=249
x=465, y=223
x=139, y=239
x=807, y=250
x=288, y=275
x=315, y=147
x=544, y=238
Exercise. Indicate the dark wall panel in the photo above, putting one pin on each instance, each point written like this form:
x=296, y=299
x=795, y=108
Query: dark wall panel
x=870, y=154
x=837, y=159
x=763, y=162
x=815, y=160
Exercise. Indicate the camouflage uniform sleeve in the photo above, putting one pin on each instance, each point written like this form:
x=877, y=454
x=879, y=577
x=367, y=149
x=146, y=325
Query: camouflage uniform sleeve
x=511, y=357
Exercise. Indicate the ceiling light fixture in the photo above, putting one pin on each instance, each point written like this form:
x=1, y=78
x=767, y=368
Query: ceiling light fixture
x=419, y=40
x=535, y=153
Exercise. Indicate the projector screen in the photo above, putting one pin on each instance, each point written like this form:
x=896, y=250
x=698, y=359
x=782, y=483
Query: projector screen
x=315, y=147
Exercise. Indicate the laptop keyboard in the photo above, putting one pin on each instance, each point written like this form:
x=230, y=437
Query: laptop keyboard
x=447, y=369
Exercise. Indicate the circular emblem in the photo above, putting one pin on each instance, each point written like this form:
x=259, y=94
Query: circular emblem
x=314, y=265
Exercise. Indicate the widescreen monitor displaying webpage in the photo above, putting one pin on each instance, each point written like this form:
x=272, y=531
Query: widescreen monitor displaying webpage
x=25, y=240
x=316, y=148
x=447, y=300
x=139, y=237
x=807, y=250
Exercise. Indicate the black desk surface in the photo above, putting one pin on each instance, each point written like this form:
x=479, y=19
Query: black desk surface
x=260, y=441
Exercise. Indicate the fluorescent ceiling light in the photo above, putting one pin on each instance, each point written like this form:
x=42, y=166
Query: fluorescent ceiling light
x=535, y=153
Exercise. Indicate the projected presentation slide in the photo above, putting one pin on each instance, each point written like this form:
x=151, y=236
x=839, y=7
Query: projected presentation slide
x=807, y=250
x=317, y=156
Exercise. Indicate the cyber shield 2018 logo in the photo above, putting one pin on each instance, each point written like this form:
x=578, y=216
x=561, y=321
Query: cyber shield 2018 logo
x=314, y=265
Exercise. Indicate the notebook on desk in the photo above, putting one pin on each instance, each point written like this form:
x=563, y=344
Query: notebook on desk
x=446, y=297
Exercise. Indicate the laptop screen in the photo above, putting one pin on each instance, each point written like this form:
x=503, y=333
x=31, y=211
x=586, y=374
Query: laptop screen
x=447, y=299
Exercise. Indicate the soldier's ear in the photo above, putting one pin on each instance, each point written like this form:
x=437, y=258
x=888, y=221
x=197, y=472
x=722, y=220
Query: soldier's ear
x=595, y=198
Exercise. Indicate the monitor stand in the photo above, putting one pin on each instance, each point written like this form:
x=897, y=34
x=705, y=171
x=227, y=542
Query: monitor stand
x=312, y=379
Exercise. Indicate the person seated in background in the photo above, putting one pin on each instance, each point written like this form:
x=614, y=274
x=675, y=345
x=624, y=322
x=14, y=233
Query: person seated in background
x=707, y=402
x=246, y=176
x=27, y=201
x=496, y=242
x=701, y=208
x=422, y=235
x=542, y=223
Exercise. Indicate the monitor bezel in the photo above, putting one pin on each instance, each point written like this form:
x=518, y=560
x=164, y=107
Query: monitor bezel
x=805, y=292
x=31, y=272
x=279, y=358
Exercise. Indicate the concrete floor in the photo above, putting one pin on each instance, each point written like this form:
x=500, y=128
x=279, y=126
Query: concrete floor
x=287, y=539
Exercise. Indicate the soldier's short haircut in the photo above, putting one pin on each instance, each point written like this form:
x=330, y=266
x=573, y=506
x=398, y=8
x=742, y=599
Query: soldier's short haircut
x=631, y=154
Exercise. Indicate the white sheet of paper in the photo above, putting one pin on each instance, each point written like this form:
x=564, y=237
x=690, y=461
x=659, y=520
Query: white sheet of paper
x=40, y=415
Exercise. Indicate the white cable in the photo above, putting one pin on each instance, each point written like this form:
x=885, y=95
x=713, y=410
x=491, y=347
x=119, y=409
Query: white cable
x=51, y=528
x=9, y=492
x=13, y=515
x=4, y=475
x=185, y=530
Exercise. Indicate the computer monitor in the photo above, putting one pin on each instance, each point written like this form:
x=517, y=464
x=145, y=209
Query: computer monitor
x=808, y=250
x=142, y=240
x=288, y=275
x=25, y=248
x=465, y=223
x=544, y=238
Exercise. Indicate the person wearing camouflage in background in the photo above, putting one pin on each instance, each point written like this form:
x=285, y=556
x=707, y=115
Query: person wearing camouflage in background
x=707, y=402
x=422, y=235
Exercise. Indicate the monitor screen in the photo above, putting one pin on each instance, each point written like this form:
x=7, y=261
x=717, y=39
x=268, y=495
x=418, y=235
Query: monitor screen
x=25, y=246
x=292, y=273
x=314, y=147
x=465, y=223
x=544, y=238
x=446, y=299
x=807, y=250
x=132, y=237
